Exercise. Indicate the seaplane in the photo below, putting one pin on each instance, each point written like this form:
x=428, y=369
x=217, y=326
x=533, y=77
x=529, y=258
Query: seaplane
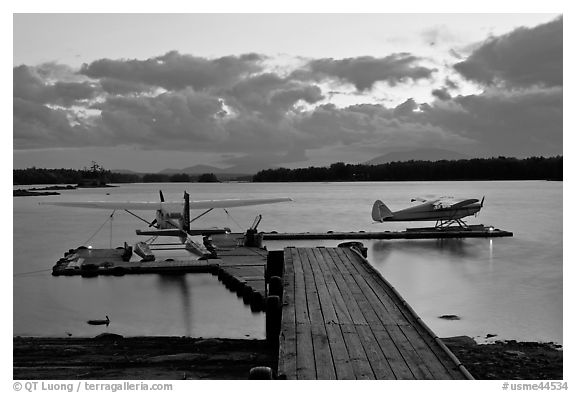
x=172, y=218
x=446, y=211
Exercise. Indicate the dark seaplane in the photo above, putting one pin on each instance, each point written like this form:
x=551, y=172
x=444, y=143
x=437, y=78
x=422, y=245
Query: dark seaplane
x=446, y=211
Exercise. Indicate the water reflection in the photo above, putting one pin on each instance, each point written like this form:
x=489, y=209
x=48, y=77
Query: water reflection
x=453, y=247
x=178, y=281
x=491, y=255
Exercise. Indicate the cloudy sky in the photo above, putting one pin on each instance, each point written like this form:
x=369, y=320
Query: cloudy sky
x=152, y=91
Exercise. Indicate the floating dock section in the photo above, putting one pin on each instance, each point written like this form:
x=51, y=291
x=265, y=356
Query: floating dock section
x=241, y=269
x=411, y=233
x=340, y=319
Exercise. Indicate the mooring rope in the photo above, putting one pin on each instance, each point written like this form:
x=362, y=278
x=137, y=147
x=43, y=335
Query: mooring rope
x=100, y=228
x=232, y=218
x=34, y=271
x=151, y=239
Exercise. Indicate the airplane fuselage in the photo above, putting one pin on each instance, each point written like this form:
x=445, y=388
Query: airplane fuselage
x=169, y=220
x=428, y=212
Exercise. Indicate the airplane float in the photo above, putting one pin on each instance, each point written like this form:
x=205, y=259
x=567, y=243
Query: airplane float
x=173, y=218
x=445, y=211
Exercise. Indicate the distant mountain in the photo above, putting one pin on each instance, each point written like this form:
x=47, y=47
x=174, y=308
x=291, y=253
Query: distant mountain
x=233, y=171
x=237, y=170
x=195, y=170
x=125, y=171
x=417, y=155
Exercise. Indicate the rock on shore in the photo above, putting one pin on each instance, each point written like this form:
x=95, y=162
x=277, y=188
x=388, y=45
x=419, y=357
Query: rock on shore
x=508, y=359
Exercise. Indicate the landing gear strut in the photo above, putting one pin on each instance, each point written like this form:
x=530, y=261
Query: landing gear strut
x=442, y=224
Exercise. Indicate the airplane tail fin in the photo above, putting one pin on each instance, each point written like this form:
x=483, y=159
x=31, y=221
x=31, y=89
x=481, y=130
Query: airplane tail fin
x=186, y=213
x=380, y=211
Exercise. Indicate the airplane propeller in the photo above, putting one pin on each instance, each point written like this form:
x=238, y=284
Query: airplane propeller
x=481, y=205
x=155, y=221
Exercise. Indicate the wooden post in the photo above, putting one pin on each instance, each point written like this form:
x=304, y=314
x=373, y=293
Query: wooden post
x=275, y=287
x=260, y=373
x=275, y=264
x=273, y=319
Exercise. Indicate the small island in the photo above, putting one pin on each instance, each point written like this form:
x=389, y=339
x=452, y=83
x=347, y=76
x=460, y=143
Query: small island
x=21, y=193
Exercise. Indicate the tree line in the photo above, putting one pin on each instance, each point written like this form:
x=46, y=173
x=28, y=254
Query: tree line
x=496, y=168
x=74, y=176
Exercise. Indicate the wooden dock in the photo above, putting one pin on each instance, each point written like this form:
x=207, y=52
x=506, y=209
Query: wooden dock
x=341, y=319
x=413, y=233
x=329, y=313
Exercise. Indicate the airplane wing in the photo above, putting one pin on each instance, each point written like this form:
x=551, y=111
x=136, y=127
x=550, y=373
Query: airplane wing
x=453, y=203
x=223, y=203
x=465, y=202
x=110, y=205
x=168, y=206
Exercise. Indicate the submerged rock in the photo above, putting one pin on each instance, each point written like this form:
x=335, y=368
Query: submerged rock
x=450, y=317
x=108, y=336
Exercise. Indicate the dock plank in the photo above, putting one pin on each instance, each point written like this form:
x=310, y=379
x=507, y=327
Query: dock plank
x=305, y=362
x=300, y=297
x=315, y=278
x=411, y=357
x=380, y=285
x=372, y=299
x=340, y=356
x=287, y=347
x=358, y=357
x=395, y=359
x=375, y=355
x=311, y=291
x=336, y=296
x=434, y=365
x=322, y=353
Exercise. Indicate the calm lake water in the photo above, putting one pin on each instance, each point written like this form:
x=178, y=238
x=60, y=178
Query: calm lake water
x=511, y=287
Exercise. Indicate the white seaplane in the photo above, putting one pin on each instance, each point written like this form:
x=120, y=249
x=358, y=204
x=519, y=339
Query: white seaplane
x=446, y=211
x=173, y=218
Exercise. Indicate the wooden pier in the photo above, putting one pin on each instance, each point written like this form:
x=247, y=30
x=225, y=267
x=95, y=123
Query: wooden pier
x=341, y=319
x=329, y=313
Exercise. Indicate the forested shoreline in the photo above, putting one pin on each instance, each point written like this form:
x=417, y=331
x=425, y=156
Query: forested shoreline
x=500, y=168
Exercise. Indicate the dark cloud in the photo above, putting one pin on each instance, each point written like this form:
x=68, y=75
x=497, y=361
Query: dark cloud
x=450, y=84
x=524, y=57
x=37, y=126
x=521, y=122
x=174, y=120
x=270, y=95
x=441, y=94
x=121, y=87
x=363, y=72
x=176, y=71
x=29, y=85
x=406, y=108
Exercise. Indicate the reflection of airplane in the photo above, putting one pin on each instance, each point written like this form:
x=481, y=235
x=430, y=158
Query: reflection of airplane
x=173, y=218
x=445, y=211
